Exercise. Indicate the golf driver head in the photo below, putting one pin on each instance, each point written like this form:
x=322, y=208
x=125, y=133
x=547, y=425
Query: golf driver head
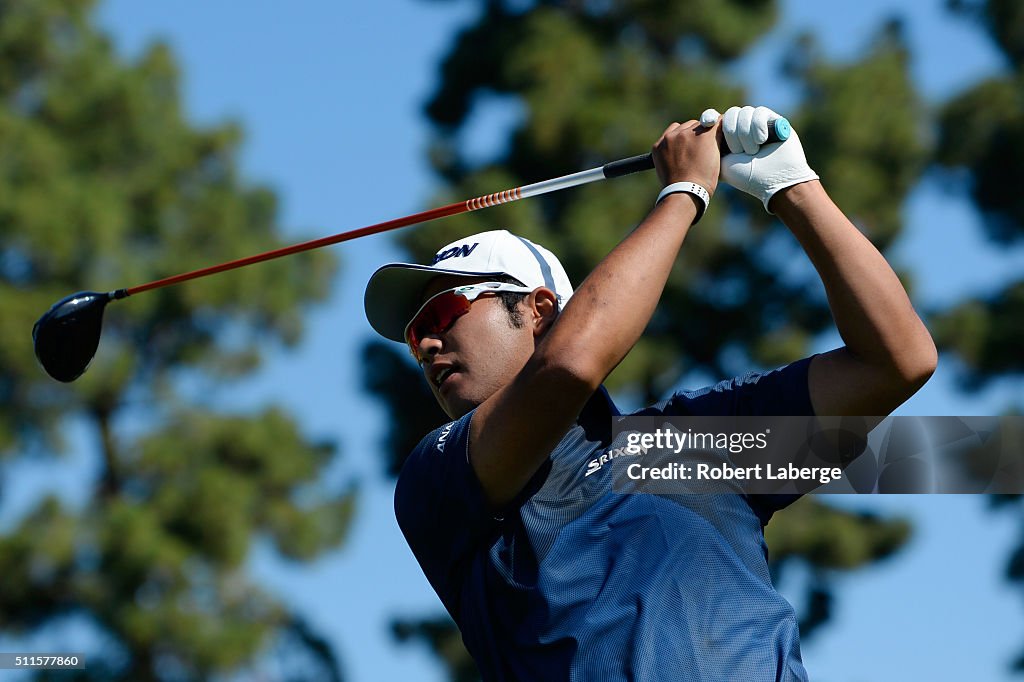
x=67, y=335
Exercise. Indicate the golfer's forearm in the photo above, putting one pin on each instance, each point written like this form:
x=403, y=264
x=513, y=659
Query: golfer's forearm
x=514, y=430
x=601, y=322
x=871, y=309
x=610, y=309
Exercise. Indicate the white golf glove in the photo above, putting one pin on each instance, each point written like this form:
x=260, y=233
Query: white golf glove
x=761, y=172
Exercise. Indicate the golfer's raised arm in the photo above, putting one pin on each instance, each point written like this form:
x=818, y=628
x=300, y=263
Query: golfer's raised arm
x=889, y=353
x=513, y=431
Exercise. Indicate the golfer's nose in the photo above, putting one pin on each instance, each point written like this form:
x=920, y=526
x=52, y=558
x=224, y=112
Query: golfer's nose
x=429, y=346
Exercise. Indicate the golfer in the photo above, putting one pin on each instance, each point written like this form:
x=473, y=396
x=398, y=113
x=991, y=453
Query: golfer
x=548, y=572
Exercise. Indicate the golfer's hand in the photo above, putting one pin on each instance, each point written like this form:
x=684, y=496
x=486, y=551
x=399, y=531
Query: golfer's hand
x=688, y=152
x=758, y=170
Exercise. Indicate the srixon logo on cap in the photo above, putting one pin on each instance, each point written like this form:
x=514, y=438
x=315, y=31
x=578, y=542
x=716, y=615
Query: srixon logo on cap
x=455, y=252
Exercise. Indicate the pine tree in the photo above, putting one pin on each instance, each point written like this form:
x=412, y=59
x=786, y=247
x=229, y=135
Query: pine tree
x=104, y=183
x=982, y=135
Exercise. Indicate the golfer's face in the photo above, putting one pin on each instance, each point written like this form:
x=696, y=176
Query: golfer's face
x=481, y=352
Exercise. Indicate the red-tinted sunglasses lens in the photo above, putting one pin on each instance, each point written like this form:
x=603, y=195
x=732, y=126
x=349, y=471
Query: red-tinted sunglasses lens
x=436, y=317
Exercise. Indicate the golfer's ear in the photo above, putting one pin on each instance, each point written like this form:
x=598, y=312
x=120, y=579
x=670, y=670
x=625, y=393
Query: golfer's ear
x=543, y=309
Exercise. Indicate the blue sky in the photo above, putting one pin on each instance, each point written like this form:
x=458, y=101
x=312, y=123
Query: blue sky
x=330, y=95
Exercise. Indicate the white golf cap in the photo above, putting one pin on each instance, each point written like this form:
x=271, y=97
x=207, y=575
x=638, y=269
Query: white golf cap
x=394, y=292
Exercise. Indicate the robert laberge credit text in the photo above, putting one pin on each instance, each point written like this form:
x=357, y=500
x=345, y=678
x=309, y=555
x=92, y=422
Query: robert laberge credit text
x=724, y=471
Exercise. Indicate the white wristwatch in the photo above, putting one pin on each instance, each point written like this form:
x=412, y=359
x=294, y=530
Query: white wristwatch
x=690, y=188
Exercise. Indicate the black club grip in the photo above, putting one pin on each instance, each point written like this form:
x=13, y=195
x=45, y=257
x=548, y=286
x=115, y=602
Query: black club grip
x=778, y=131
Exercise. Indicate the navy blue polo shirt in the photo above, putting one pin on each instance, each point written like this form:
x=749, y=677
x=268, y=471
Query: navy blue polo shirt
x=579, y=582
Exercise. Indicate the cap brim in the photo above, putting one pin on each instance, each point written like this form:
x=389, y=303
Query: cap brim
x=395, y=292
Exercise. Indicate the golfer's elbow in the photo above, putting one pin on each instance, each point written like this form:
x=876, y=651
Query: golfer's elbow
x=927, y=360
x=914, y=362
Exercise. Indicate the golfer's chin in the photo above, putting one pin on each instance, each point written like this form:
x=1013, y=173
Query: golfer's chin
x=454, y=400
x=456, y=407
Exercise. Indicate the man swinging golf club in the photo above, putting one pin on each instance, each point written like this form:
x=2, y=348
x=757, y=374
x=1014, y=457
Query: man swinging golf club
x=549, y=573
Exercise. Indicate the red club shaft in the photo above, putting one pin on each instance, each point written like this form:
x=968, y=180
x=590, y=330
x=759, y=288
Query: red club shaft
x=424, y=216
x=610, y=170
x=614, y=169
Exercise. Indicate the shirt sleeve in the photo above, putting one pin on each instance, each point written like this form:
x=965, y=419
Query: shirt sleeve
x=780, y=392
x=441, y=508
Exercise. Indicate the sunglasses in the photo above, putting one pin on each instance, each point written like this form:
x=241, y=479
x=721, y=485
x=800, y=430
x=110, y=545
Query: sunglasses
x=441, y=310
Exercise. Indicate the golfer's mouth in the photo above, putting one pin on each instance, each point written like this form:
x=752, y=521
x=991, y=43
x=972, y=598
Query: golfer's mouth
x=440, y=376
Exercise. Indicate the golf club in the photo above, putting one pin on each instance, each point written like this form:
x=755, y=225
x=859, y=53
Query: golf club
x=66, y=337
